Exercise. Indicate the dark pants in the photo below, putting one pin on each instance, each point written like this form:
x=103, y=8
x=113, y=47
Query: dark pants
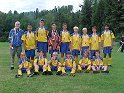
x=15, y=50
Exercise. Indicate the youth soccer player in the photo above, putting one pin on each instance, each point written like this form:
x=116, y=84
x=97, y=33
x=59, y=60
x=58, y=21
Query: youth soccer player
x=85, y=41
x=24, y=66
x=75, y=44
x=69, y=64
x=107, y=37
x=84, y=63
x=55, y=64
x=95, y=41
x=29, y=41
x=65, y=41
x=97, y=63
x=54, y=40
x=42, y=37
x=40, y=64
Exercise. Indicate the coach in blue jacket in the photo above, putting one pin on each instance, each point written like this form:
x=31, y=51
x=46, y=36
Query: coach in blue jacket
x=15, y=42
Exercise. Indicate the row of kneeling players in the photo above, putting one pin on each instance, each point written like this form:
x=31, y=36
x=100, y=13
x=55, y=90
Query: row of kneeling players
x=68, y=65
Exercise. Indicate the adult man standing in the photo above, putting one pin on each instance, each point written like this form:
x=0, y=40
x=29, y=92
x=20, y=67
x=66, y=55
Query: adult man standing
x=15, y=42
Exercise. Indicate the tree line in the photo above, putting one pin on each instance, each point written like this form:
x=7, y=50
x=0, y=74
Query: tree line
x=91, y=13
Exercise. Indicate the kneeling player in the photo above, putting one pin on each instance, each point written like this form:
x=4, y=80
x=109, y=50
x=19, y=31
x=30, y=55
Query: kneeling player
x=40, y=64
x=54, y=64
x=24, y=66
x=84, y=63
x=69, y=64
x=98, y=64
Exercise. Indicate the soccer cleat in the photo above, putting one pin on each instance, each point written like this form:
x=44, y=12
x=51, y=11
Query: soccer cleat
x=63, y=74
x=95, y=72
x=35, y=73
x=30, y=75
x=49, y=73
x=78, y=71
x=109, y=65
x=59, y=73
x=44, y=73
x=12, y=68
x=86, y=71
x=18, y=76
x=72, y=74
x=105, y=71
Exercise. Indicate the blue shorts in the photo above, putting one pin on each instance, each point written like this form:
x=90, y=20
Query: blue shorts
x=42, y=46
x=75, y=52
x=23, y=70
x=107, y=50
x=51, y=51
x=30, y=53
x=92, y=53
x=40, y=68
x=54, y=68
x=83, y=49
x=84, y=67
x=68, y=68
x=64, y=47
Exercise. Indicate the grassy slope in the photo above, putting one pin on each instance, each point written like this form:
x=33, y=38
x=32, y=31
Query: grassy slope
x=81, y=83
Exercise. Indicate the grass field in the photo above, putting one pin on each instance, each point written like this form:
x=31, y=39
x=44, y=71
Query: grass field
x=81, y=83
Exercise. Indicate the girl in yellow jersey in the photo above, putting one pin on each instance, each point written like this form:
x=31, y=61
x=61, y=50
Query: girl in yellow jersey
x=85, y=41
x=97, y=64
x=107, y=37
x=24, y=66
x=29, y=41
x=95, y=41
x=42, y=37
x=65, y=41
x=54, y=64
x=75, y=44
x=69, y=64
x=40, y=64
x=84, y=63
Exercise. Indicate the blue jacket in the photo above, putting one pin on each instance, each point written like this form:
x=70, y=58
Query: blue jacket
x=15, y=37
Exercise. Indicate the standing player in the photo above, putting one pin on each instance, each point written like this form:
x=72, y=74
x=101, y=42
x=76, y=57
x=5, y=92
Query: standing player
x=42, y=37
x=85, y=41
x=15, y=42
x=54, y=40
x=65, y=41
x=75, y=44
x=107, y=44
x=29, y=41
x=94, y=42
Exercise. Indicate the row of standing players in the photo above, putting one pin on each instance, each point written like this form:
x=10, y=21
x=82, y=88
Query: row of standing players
x=63, y=42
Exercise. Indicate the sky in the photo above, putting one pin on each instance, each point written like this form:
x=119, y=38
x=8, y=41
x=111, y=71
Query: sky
x=31, y=5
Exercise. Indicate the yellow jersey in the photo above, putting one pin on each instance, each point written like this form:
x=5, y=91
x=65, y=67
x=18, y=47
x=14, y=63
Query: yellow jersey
x=76, y=41
x=85, y=40
x=42, y=34
x=55, y=62
x=65, y=36
x=29, y=39
x=97, y=61
x=85, y=61
x=40, y=61
x=25, y=63
x=69, y=62
x=107, y=37
x=95, y=41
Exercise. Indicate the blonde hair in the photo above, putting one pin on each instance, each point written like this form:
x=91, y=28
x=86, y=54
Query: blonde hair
x=75, y=27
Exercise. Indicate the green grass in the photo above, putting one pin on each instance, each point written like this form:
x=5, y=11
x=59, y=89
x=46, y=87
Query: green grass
x=81, y=83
